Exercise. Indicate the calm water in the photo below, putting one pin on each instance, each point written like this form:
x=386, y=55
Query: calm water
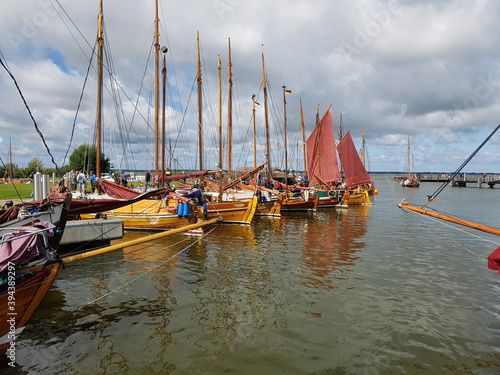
x=367, y=290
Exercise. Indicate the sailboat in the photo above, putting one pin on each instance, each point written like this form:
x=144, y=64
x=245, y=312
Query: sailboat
x=28, y=261
x=306, y=201
x=411, y=181
x=494, y=257
x=175, y=210
x=323, y=167
x=356, y=177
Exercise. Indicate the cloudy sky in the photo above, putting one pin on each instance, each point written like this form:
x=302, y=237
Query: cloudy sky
x=428, y=69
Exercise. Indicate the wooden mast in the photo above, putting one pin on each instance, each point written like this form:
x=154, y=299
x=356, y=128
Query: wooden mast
x=286, y=146
x=254, y=139
x=303, y=138
x=409, y=169
x=264, y=89
x=10, y=158
x=198, y=79
x=164, y=74
x=364, y=158
x=318, y=134
x=157, y=80
x=220, y=129
x=230, y=115
x=99, y=92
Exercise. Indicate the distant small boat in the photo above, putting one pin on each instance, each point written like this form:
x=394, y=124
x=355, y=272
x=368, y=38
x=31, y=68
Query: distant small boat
x=411, y=181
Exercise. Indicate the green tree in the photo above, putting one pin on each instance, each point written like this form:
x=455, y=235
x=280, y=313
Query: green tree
x=84, y=158
x=35, y=165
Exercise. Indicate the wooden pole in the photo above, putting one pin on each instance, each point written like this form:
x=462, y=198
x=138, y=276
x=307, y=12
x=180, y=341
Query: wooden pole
x=230, y=115
x=157, y=93
x=264, y=88
x=99, y=93
x=198, y=79
x=164, y=74
x=137, y=241
x=303, y=138
x=286, y=144
x=469, y=224
x=220, y=130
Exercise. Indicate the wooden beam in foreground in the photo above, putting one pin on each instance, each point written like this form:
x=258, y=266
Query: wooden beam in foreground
x=465, y=223
x=152, y=237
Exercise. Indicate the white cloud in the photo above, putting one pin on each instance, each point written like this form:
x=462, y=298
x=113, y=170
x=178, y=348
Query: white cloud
x=424, y=68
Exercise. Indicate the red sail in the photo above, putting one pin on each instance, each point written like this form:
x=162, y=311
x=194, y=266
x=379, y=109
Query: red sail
x=321, y=157
x=354, y=170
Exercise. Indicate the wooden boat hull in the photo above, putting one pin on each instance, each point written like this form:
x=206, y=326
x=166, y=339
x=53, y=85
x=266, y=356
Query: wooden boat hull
x=356, y=197
x=27, y=297
x=148, y=215
x=270, y=208
x=328, y=199
x=299, y=204
x=156, y=215
x=233, y=212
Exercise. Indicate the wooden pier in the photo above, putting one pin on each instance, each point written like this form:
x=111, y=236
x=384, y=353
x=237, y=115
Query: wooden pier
x=460, y=181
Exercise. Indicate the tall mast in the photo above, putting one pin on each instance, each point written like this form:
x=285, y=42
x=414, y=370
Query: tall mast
x=264, y=88
x=254, y=138
x=409, y=170
x=230, y=115
x=318, y=134
x=303, y=137
x=364, y=158
x=340, y=130
x=220, y=129
x=286, y=147
x=157, y=90
x=10, y=158
x=99, y=92
x=164, y=74
x=198, y=78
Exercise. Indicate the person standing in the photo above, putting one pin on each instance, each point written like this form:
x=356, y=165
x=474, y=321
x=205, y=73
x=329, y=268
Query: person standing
x=148, y=179
x=93, y=179
x=72, y=180
x=81, y=182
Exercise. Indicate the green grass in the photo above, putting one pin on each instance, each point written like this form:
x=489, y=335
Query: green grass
x=15, y=191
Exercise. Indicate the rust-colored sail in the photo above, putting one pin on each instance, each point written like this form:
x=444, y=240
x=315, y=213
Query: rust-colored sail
x=321, y=157
x=355, y=172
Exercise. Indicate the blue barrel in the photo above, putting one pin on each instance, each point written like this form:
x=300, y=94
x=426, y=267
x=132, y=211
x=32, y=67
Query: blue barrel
x=180, y=209
x=205, y=209
x=185, y=211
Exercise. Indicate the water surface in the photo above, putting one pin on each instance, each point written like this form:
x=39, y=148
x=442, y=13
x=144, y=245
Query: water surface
x=364, y=290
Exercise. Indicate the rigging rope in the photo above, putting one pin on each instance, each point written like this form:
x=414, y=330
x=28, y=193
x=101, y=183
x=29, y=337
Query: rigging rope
x=29, y=111
x=452, y=176
x=150, y=270
x=434, y=228
x=78, y=108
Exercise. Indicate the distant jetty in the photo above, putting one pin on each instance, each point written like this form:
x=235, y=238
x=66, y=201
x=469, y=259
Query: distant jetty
x=460, y=180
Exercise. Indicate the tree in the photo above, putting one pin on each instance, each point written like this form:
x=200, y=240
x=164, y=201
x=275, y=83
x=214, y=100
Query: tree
x=35, y=165
x=84, y=158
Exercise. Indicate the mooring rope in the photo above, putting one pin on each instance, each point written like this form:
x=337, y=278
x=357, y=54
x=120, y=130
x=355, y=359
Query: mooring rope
x=416, y=217
x=147, y=272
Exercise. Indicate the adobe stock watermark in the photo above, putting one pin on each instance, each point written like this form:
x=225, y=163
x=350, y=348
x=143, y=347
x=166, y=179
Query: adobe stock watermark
x=223, y=6
x=30, y=26
x=371, y=30
x=483, y=91
x=11, y=313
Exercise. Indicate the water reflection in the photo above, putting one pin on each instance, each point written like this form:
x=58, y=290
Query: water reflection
x=332, y=241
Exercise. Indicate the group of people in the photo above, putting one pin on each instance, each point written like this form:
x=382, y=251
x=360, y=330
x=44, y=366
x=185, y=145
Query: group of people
x=78, y=180
x=156, y=179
